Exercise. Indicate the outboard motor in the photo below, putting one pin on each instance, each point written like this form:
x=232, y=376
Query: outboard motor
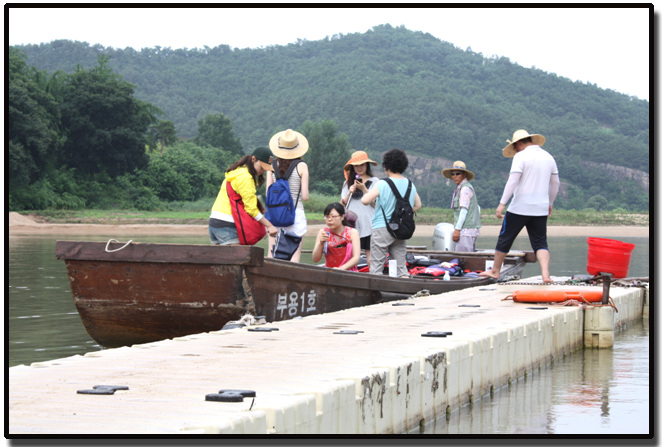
x=442, y=239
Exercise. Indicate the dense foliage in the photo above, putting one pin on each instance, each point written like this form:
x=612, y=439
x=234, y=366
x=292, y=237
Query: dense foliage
x=388, y=87
x=33, y=133
x=105, y=124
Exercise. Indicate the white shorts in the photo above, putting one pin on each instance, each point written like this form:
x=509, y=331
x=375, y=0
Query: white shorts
x=300, y=225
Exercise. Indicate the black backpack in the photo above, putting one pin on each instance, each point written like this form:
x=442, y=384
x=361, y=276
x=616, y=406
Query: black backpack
x=401, y=225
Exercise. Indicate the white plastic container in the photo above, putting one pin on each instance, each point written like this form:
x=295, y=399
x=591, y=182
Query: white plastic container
x=392, y=268
x=442, y=239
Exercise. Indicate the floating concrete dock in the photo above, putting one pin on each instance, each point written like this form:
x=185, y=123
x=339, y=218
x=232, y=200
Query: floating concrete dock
x=378, y=369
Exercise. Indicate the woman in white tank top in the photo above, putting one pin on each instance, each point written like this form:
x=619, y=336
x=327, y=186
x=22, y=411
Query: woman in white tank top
x=287, y=146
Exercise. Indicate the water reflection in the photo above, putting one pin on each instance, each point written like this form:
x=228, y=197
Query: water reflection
x=589, y=392
x=43, y=321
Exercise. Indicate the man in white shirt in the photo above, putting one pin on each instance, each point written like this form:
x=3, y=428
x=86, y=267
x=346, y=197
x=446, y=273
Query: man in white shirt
x=533, y=183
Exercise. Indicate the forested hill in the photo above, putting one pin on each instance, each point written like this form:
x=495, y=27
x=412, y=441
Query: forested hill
x=390, y=87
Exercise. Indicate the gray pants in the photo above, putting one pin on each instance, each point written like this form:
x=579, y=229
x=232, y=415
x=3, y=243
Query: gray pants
x=381, y=244
x=466, y=243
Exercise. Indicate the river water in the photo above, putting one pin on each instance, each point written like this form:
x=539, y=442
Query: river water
x=588, y=392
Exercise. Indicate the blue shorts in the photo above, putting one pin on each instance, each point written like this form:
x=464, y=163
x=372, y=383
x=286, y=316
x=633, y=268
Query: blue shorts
x=223, y=235
x=536, y=227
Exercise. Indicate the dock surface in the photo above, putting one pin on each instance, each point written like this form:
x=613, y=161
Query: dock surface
x=368, y=370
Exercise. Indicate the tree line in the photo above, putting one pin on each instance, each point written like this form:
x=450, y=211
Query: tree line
x=388, y=87
x=84, y=140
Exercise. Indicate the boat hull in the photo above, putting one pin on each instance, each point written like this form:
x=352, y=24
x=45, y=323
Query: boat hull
x=149, y=292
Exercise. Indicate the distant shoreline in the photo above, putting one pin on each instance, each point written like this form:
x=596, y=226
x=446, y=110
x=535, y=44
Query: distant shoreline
x=23, y=226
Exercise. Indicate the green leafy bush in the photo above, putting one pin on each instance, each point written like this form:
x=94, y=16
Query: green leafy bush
x=327, y=188
x=317, y=202
x=186, y=172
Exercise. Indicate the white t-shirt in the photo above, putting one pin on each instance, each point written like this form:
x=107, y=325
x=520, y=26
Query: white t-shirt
x=531, y=195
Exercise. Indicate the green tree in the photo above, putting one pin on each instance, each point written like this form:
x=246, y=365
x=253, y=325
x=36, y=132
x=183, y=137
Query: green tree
x=162, y=133
x=597, y=202
x=106, y=125
x=33, y=125
x=186, y=172
x=327, y=154
x=215, y=130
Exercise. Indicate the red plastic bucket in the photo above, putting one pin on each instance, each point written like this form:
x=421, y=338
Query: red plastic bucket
x=608, y=256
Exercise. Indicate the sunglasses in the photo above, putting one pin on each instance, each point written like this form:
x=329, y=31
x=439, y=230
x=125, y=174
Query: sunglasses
x=456, y=173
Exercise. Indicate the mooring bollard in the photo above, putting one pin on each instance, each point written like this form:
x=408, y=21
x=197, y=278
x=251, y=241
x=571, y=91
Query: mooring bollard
x=606, y=283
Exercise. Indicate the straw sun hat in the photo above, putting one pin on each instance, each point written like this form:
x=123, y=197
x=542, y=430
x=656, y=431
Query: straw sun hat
x=509, y=151
x=359, y=158
x=288, y=144
x=458, y=166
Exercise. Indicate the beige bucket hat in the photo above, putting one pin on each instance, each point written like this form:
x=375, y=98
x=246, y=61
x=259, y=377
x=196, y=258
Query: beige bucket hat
x=458, y=166
x=288, y=144
x=509, y=151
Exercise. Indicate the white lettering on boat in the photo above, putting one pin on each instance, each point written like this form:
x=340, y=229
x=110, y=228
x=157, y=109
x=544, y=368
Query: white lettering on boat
x=296, y=304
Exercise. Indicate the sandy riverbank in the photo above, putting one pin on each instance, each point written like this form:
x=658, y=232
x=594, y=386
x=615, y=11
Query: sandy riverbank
x=19, y=225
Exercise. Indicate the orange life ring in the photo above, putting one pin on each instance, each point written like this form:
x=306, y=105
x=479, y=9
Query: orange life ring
x=556, y=296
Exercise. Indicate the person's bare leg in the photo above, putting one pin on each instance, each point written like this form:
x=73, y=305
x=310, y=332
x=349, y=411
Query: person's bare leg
x=543, y=258
x=272, y=242
x=499, y=257
x=296, y=257
x=367, y=257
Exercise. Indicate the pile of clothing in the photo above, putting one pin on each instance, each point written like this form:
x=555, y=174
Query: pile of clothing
x=420, y=265
x=453, y=268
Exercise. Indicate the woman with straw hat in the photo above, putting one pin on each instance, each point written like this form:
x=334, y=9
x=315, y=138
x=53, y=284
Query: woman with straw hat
x=465, y=207
x=358, y=181
x=288, y=146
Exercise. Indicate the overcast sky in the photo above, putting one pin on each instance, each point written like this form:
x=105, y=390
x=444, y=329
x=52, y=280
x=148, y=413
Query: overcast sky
x=608, y=47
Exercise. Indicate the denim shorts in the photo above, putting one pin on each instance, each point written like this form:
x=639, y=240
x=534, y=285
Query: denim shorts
x=223, y=235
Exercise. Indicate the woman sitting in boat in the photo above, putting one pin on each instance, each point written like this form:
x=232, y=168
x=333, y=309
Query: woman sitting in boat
x=339, y=243
x=244, y=176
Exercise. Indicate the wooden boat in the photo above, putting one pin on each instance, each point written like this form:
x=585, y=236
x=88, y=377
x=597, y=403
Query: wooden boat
x=145, y=292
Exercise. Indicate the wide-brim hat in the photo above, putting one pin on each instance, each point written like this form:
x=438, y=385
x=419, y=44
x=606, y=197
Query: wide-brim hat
x=458, y=166
x=288, y=144
x=264, y=156
x=359, y=158
x=509, y=151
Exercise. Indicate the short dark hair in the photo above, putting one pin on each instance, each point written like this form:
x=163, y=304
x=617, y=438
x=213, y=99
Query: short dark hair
x=339, y=208
x=395, y=160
